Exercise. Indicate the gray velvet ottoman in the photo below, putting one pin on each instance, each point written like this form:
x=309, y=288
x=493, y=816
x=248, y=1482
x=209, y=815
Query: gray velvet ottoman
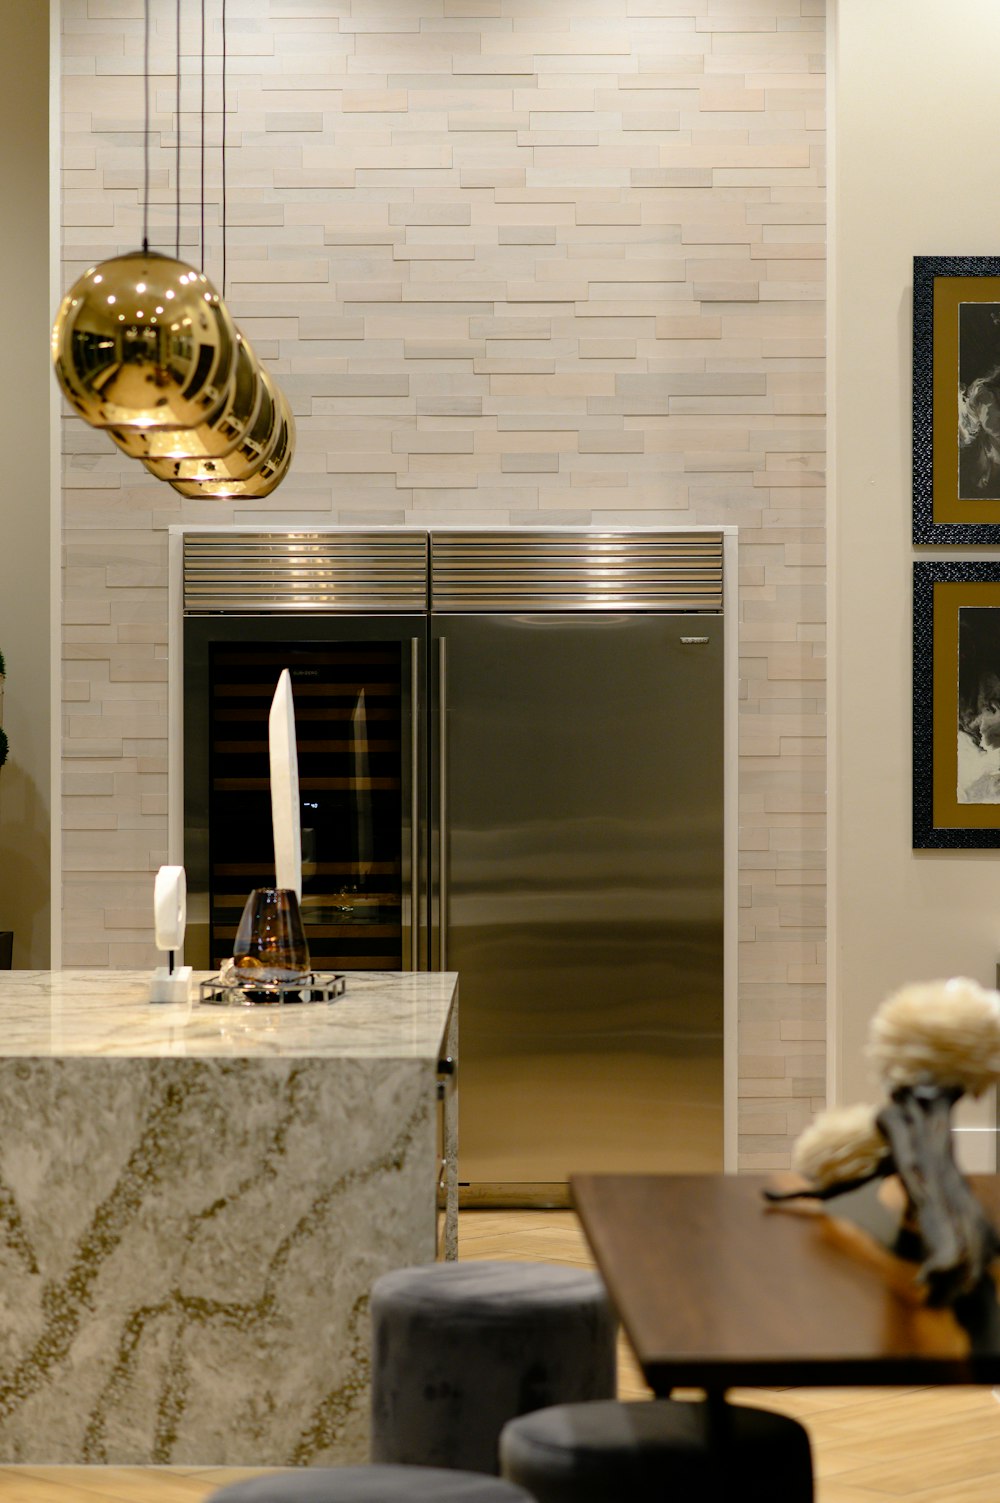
x=372, y=1484
x=458, y=1349
x=663, y=1448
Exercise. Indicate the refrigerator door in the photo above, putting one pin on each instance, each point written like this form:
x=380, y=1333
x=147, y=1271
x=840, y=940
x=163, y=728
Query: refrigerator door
x=578, y=879
x=359, y=685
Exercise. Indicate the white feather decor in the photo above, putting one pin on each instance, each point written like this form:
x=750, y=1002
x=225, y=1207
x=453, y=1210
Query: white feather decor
x=941, y=1032
x=842, y=1144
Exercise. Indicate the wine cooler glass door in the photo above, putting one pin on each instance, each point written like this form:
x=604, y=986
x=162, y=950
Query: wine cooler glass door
x=356, y=691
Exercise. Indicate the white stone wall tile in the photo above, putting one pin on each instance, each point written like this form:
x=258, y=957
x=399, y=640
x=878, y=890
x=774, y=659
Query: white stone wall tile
x=511, y=268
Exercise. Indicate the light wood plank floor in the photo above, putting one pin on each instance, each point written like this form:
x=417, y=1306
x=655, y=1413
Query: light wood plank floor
x=885, y=1445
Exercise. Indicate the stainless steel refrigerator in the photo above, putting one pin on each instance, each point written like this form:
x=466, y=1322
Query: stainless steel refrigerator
x=511, y=765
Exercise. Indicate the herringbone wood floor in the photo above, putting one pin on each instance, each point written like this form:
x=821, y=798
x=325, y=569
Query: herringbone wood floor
x=887, y=1445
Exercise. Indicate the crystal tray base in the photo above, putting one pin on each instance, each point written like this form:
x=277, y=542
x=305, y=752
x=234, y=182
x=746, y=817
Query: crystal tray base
x=318, y=986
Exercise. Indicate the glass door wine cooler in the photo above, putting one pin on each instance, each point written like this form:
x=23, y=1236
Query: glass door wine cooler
x=356, y=686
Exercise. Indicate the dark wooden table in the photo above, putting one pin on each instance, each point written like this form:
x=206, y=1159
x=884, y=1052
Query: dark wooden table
x=715, y=1289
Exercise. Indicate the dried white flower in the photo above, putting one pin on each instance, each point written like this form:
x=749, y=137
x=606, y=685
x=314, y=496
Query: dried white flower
x=947, y=1032
x=840, y=1145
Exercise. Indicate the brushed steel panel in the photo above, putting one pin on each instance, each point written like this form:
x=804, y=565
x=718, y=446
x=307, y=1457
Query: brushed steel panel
x=584, y=859
x=304, y=572
x=502, y=571
x=510, y=570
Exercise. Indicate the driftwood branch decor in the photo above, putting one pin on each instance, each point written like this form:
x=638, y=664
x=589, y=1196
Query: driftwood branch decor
x=931, y=1044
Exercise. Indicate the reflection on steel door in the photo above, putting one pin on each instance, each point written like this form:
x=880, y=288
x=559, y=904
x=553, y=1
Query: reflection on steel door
x=580, y=871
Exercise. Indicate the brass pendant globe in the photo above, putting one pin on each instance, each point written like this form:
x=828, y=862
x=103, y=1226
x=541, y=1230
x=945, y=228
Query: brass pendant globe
x=144, y=341
x=245, y=460
x=260, y=478
x=160, y=448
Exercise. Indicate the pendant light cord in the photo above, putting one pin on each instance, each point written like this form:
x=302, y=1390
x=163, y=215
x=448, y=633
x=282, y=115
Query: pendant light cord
x=145, y=131
x=223, y=148
x=177, y=145
x=202, y=239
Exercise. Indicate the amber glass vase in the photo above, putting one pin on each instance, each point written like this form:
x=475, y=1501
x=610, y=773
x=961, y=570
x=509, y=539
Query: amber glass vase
x=270, y=946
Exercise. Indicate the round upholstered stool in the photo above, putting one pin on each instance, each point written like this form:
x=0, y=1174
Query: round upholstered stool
x=605, y=1453
x=458, y=1349
x=372, y=1484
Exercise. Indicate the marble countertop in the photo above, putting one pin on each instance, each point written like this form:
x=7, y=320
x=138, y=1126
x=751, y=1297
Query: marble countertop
x=389, y=1015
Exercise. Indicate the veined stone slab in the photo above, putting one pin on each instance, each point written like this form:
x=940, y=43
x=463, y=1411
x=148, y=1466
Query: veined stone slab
x=194, y=1202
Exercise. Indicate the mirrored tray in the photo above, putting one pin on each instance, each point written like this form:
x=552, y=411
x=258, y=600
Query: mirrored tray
x=318, y=986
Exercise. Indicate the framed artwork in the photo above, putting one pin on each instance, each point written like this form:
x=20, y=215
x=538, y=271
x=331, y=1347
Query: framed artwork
x=956, y=399
x=956, y=705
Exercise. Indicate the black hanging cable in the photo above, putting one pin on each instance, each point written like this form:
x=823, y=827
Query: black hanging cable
x=202, y=241
x=145, y=131
x=177, y=146
x=223, y=148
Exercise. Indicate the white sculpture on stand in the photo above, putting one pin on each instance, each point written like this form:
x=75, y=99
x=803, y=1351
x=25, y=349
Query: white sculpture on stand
x=170, y=983
x=285, y=788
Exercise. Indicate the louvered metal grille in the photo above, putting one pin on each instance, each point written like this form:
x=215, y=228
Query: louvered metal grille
x=296, y=572
x=511, y=571
x=291, y=573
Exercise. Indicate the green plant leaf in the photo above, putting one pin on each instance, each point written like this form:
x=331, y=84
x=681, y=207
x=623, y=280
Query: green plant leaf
x=3, y=746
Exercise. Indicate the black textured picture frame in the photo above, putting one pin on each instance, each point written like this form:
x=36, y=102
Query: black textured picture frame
x=934, y=362
x=936, y=704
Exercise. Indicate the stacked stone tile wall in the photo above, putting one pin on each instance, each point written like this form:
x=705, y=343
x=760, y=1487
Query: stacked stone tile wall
x=514, y=262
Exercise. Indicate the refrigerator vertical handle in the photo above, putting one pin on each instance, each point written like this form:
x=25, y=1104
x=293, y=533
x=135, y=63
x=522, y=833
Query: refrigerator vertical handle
x=443, y=803
x=414, y=803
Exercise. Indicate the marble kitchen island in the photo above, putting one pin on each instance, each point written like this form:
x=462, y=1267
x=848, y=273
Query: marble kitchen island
x=194, y=1201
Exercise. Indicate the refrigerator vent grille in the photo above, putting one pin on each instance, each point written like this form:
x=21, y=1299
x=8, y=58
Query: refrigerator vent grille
x=330, y=572
x=510, y=571
x=295, y=572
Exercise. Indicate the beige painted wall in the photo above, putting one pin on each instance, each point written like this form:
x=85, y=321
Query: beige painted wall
x=916, y=110
x=25, y=389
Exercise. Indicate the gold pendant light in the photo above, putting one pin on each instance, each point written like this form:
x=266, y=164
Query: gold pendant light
x=267, y=475
x=145, y=349
x=161, y=447
x=244, y=461
x=144, y=341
